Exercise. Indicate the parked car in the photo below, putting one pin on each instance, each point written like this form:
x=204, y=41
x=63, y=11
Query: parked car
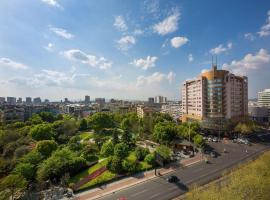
x=185, y=154
x=215, y=139
x=209, y=139
x=172, y=179
x=213, y=154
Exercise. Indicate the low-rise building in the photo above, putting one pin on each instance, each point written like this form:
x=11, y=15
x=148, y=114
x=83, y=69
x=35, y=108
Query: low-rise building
x=11, y=114
x=143, y=110
x=174, y=109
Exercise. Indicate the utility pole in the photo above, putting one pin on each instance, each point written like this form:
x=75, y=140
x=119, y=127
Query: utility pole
x=189, y=131
x=155, y=163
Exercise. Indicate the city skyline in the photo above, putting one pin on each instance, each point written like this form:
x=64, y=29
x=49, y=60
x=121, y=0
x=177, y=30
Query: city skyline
x=128, y=50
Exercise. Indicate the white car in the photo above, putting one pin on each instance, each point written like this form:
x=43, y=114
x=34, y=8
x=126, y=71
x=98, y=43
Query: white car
x=185, y=155
x=209, y=139
x=215, y=139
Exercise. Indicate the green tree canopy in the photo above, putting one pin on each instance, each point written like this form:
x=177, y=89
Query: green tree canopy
x=121, y=150
x=100, y=121
x=41, y=132
x=25, y=170
x=198, y=140
x=33, y=157
x=107, y=149
x=165, y=132
x=83, y=124
x=188, y=129
x=141, y=152
x=245, y=128
x=46, y=147
x=47, y=117
x=114, y=164
x=150, y=159
x=115, y=138
x=13, y=184
x=164, y=151
x=35, y=119
x=62, y=161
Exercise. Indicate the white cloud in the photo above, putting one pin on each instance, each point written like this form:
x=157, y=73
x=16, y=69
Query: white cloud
x=249, y=36
x=168, y=25
x=249, y=62
x=91, y=60
x=125, y=42
x=62, y=33
x=221, y=48
x=265, y=29
x=49, y=47
x=177, y=42
x=120, y=23
x=190, y=57
x=151, y=6
x=44, y=78
x=52, y=3
x=138, y=32
x=146, y=63
x=156, y=77
x=12, y=64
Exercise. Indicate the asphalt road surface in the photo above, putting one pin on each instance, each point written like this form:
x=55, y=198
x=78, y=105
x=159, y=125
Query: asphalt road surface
x=201, y=173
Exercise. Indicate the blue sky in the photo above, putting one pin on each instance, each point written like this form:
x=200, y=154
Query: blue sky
x=128, y=49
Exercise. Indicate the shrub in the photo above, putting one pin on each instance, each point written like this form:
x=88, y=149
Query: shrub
x=121, y=150
x=141, y=152
x=150, y=159
x=115, y=165
x=107, y=149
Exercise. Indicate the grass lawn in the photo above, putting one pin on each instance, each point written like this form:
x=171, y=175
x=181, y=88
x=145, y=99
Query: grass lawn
x=86, y=172
x=107, y=175
x=104, y=177
x=142, y=165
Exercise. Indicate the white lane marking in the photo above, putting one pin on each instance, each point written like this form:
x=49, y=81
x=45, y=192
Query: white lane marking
x=136, y=194
x=155, y=195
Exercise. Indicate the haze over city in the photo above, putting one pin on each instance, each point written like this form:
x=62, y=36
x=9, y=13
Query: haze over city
x=128, y=49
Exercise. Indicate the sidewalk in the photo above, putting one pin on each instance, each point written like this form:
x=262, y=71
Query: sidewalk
x=133, y=180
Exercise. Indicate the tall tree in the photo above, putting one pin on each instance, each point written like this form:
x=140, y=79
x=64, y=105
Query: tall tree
x=41, y=132
x=101, y=121
x=164, y=132
x=46, y=147
x=83, y=124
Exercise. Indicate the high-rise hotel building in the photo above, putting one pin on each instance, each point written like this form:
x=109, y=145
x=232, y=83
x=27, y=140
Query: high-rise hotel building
x=215, y=94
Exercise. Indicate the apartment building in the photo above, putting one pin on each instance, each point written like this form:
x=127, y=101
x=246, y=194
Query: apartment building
x=11, y=100
x=264, y=100
x=215, y=94
x=160, y=99
x=173, y=109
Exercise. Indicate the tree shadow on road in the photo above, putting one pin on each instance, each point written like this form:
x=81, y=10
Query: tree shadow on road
x=182, y=186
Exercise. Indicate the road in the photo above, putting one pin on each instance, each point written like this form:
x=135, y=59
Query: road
x=201, y=173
